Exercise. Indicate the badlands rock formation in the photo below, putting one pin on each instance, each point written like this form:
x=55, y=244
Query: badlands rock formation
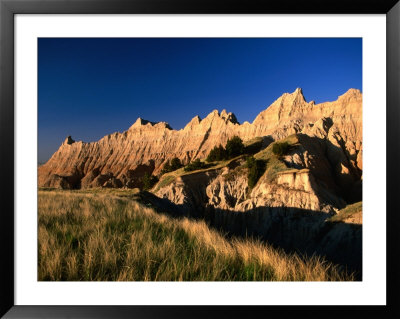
x=289, y=206
x=306, y=181
x=120, y=159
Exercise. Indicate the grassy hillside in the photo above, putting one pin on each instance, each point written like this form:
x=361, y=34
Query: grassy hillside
x=105, y=235
x=350, y=214
x=274, y=163
x=168, y=178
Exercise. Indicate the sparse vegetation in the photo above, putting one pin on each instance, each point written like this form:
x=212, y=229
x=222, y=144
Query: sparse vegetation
x=234, y=147
x=218, y=153
x=148, y=181
x=195, y=165
x=166, y=168
x=253, y=146
x=280, y=149
x=275, y=164
x=235, y=173
x=350, y=212
x=172, y=165
x=176, y=164
x=165, y=181
x=256, y=170
x=95, y=236
x=168, y=178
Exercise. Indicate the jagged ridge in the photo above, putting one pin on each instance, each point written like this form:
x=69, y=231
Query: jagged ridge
x=120, y=159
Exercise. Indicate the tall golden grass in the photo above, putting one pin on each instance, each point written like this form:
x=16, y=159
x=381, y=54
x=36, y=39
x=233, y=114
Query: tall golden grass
x=105, y=237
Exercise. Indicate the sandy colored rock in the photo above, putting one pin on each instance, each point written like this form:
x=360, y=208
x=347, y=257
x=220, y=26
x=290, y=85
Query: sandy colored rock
x=146, y=146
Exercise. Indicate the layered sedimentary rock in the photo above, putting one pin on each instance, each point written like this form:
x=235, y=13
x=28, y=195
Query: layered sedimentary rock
x=121, y=159
x=307, y=183
x=290, y=208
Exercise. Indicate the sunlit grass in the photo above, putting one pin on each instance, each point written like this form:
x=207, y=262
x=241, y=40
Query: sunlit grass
x=275, y=164
x=91, y=235
x=168, y=178
x=353, y=211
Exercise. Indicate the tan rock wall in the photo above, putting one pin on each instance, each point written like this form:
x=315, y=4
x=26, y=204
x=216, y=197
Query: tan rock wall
x=124, y=156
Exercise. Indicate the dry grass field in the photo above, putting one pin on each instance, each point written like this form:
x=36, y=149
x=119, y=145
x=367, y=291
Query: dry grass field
x=108, y=236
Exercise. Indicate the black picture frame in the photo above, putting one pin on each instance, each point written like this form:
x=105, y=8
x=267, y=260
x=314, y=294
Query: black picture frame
x=8, y=8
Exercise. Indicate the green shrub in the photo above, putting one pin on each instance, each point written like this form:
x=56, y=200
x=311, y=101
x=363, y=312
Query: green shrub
x=195, y=165
x=256, y=170
x=218, y=153
x=280, y=149
x=148, y=181
x=166, y=168
x=172, y=166
x=234, y=147
x=176, y=164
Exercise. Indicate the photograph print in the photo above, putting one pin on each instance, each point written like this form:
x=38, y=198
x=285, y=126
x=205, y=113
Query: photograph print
x=200, y=159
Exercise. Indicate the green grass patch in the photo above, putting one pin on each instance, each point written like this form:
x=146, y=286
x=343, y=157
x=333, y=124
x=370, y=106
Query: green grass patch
x=165, y=181
x=347, y=212
x=275, y=164
x=168, y=178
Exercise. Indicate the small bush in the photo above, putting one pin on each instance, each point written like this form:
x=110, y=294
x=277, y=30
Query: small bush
x=234, y=147
x=218, y=153
x=195, y=165
x=172, y=166
x=280, y=149
x=148, y=181
x=166, y=168
x=176, y=164
x=256, y=170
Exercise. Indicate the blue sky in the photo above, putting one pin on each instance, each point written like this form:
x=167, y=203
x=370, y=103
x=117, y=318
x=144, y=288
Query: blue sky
x=89, y=88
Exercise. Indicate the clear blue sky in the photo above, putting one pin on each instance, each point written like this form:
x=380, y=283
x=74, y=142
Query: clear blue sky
x=89, y=88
